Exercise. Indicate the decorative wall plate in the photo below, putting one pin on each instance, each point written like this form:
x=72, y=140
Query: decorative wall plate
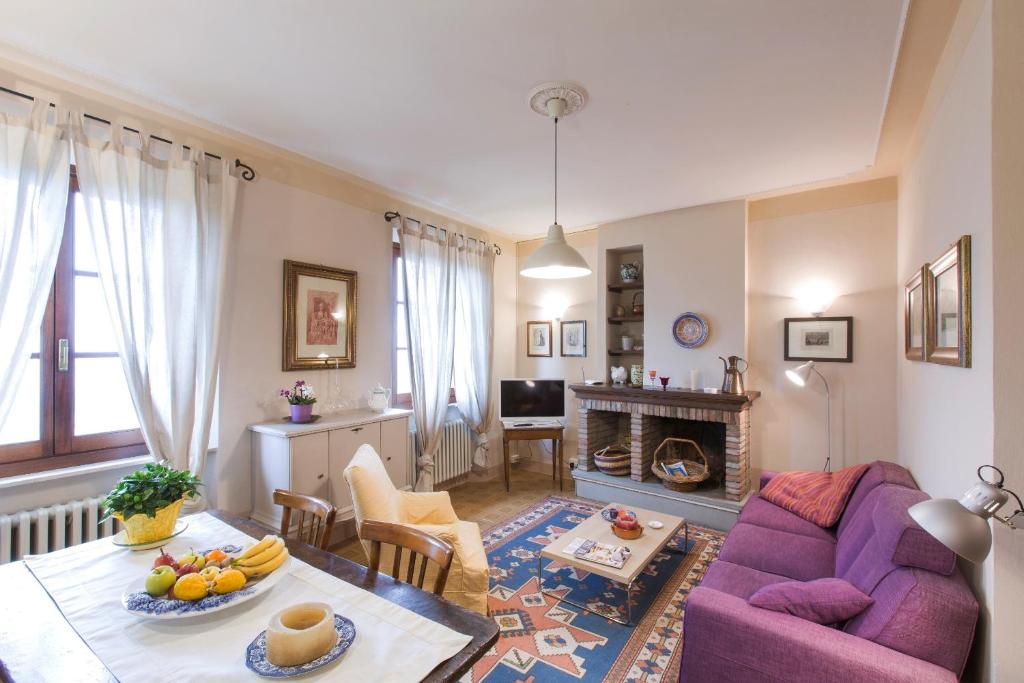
x=690, y=330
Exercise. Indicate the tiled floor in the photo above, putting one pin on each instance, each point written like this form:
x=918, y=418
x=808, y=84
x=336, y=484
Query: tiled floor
x=486, y=503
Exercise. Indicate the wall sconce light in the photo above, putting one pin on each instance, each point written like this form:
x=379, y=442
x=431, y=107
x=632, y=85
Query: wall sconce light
x=962, y=525
x=554, y=306
x=815, y=297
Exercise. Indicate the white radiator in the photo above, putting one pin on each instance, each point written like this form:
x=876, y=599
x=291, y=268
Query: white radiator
x=34, y=532
x=455, y=457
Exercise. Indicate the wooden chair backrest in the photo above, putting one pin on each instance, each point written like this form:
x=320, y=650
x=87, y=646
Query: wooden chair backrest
x=316, y=530
x=418, y=543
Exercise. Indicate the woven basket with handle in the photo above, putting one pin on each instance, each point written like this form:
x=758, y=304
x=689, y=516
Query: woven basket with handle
x=613, y=460
x=687, y=451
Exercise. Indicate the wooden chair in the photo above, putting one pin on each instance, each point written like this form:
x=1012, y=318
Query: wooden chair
x=317, y=531
x=416, y=542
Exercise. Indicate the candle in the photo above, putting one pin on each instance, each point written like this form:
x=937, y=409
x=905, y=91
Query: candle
x=694, y=380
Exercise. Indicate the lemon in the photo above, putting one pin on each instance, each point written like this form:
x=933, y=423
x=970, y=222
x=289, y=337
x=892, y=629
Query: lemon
x=228, y=581
x=190, y=587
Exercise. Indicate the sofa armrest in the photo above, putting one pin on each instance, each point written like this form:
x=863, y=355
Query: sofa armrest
x=766, y=476
x=427, y=508
x=727, y=639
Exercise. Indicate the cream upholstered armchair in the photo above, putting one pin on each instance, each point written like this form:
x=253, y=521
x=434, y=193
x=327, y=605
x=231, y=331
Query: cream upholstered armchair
x=375, y=497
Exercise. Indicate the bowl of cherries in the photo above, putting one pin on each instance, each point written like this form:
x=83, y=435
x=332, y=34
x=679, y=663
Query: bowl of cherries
x=626, y=526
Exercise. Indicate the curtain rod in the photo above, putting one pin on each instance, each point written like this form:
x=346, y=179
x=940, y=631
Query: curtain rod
x=392, y=215
x=247, y=171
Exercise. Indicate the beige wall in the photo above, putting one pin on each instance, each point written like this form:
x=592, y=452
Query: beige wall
x=852, y=251
x=694, y=260
x=945, y=413
x=579, y=295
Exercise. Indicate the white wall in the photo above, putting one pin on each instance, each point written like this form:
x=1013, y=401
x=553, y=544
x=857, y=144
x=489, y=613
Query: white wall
x=852, y=250
x=945, y=414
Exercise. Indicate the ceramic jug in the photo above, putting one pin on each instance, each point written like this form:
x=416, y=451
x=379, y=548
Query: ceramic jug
x=379, y=399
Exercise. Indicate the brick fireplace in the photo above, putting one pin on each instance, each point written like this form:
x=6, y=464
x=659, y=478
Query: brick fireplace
x=720, y=423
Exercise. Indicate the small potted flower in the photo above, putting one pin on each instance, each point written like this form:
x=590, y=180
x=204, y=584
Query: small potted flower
x=301, y=399
x=148, y=501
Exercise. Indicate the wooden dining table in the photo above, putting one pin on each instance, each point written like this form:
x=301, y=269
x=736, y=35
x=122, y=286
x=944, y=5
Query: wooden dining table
x=38, y=644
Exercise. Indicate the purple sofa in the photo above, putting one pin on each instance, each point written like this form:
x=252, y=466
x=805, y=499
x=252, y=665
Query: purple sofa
x=919, y=628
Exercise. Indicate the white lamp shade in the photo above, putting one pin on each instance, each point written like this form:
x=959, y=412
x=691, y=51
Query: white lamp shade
x=965, y=533
x=555, y=259
x=800, y=373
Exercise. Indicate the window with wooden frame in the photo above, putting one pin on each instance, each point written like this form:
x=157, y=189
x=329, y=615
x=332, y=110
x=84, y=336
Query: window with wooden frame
x=401, y=385
x=73, y=407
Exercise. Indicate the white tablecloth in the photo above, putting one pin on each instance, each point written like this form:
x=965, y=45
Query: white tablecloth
x=87, y=581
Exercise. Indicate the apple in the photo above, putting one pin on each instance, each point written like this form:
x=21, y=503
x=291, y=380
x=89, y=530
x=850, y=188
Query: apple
x=194, y=559
x=160, y=580
x=626, y=523
x=187, y=569
x=163, y=559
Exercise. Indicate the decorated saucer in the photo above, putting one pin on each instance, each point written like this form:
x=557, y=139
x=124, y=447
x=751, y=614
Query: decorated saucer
x=256, y=653
x=121, y=538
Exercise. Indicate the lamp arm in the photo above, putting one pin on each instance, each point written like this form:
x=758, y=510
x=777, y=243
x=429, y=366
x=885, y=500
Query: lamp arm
x=828, y=418
x=1008, y=520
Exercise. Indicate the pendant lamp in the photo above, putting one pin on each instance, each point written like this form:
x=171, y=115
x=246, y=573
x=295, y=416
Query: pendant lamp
x=555, y=259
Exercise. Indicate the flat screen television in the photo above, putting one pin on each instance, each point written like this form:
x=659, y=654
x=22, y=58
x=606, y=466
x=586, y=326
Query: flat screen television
x=532, y=399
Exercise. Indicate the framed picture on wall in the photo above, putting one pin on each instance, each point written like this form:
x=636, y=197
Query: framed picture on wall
x=948, y=306
x=574, y=338
x=538, y=338
x=914, y=300
x=319, y=317
x=823, y=339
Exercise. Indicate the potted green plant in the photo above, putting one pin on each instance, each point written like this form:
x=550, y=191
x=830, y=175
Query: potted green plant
x=301, y=400
x=148, y=501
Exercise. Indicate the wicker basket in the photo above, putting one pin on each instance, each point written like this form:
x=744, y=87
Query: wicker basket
x=673, y=450
x=613, y=460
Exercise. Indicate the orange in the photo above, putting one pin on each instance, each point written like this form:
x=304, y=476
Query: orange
x=216, y=555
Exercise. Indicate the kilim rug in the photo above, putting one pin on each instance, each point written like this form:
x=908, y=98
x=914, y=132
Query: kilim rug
x=542, y=639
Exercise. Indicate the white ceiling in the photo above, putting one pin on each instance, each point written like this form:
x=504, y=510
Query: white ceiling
x=691, y=101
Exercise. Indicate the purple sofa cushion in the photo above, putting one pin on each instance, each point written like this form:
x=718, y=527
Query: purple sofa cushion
x=921, y=614
x=907, y=543
x=823, y=601
x=760, y=512
x=879, y=472
x=735, y=579
x=793, y=556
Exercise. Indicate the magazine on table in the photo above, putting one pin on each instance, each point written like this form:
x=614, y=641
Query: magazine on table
x=601, y=553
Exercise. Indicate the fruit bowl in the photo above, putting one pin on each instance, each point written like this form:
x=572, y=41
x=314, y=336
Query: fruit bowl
x=627, y=534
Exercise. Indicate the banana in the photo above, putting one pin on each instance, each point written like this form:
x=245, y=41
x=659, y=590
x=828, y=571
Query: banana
x=266, y=567
x=262, y=557
x=258, y=547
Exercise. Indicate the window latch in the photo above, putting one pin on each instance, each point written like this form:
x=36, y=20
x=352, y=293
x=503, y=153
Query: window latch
x=62, y=355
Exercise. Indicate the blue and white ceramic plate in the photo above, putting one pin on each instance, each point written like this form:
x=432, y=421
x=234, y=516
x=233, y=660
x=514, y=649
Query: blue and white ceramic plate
x=256, y=653
x=690, y=330
x=609, y=514
x=137, y=601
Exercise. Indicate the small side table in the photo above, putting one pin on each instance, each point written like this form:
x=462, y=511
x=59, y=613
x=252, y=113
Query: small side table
x=556, y=434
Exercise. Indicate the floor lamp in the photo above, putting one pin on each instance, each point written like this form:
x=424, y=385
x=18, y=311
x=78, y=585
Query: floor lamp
x=799, y=376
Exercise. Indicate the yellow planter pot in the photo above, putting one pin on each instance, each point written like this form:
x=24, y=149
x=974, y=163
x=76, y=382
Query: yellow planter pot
x=144, y=529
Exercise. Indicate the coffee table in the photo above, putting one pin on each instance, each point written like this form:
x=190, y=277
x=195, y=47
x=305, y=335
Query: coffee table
x=643, y=550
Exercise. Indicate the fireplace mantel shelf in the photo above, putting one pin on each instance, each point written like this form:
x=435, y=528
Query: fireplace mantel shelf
x=674, y=397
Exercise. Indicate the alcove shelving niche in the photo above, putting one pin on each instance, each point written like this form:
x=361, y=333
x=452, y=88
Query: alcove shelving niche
x=625, y=308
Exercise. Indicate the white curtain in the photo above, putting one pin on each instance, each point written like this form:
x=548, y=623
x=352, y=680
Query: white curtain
x=34, y=163
x=474, y=341
x=162, y=229
x=429, y=259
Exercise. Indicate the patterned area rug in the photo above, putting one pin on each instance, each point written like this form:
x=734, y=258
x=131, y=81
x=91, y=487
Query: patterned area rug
x=545, y=640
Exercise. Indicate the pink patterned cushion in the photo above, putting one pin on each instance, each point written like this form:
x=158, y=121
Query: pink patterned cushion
x=824, y=601
x=818, y=497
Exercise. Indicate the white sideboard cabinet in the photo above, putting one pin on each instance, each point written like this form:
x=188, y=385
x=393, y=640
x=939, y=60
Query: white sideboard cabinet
x=311, y=458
